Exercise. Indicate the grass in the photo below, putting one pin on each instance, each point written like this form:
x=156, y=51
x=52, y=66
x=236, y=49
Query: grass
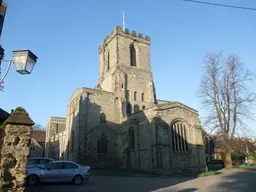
x=209, y=173
x=251, y=167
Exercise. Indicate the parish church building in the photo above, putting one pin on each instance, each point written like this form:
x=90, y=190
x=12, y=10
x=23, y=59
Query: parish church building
x=122, y=123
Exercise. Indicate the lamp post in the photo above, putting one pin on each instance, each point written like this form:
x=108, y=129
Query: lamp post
x=24, y=61
x=3, y=7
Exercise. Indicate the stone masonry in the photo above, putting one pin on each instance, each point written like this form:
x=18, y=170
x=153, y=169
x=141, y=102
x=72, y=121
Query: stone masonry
x=122, y=123
x=55, y=136
x=15, y=149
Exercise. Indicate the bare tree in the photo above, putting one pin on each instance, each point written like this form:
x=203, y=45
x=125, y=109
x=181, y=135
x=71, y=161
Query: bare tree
x=224, y=92
x=38, y=127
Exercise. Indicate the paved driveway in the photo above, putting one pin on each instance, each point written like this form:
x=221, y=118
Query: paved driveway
x=235, y=180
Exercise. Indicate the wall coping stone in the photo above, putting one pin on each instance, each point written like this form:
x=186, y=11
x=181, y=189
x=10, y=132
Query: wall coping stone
x=19, y=117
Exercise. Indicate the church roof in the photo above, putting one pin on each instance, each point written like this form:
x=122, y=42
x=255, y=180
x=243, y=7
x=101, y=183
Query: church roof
x=171, y=104
x=77, y=92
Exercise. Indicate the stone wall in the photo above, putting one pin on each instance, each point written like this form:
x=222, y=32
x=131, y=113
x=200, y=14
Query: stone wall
x=191, y=159
x=84, y=112
x=93, y=156
x=55, y=126
x=56, y=146
x=15, y=150
x=139, y=157
x=36, y=150
x=154, y=142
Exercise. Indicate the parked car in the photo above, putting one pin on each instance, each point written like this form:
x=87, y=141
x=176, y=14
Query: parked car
x=58, y=171
x=35, y=161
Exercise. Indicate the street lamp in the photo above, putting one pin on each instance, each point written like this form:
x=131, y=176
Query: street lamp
x=24, y=61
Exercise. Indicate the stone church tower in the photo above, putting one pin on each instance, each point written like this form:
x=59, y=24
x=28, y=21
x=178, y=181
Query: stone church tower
x=121, y=123
x=125, y=70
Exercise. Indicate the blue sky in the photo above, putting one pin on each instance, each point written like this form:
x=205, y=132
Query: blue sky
x=65, y=36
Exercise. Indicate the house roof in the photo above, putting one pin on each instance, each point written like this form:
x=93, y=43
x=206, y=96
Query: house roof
x=3, y=116
x=39, y=136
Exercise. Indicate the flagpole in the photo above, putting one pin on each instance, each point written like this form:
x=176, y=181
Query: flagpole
x=123, y=21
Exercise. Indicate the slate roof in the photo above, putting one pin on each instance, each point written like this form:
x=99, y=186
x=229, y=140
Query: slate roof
x=3, y=116
x=39, y=136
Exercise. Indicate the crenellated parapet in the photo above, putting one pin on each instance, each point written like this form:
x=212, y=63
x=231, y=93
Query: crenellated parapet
x=138, y=37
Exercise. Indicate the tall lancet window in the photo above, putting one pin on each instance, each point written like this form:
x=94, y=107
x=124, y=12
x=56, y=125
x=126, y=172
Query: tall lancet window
x=135, y=96
x=108, y=60
x=133, y=55
x=179, y=137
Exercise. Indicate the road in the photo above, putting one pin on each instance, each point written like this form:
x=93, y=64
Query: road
x=231, y=180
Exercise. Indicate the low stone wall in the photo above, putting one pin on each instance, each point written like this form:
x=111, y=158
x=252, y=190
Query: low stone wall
x=55, y=146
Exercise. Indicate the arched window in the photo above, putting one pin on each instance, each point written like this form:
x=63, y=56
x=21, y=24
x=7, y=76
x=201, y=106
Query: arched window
x=143, y=107
x=136, y=108
x=179, y=137
x=73, y=141
x=142, y=96
x=128, y=109
x=133, y=55
x=102, y=143
x=108, y=60
x=131, y=138
x=102, y=118
x=135, y=96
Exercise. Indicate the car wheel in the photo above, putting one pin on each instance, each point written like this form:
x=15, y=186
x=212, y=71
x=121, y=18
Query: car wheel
x=77, y=180
x=32, y=180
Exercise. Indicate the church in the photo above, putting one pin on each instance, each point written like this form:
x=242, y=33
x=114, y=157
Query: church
x=121, y=123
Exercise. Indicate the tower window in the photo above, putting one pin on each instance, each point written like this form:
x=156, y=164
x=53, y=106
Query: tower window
x=103, y=118
x=122, y=86
x=133, y=55
x=142, y=97
x=135, y=95
x=143, y=107
x=136, y=108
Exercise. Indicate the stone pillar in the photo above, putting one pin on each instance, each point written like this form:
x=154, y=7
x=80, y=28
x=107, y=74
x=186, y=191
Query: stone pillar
x=15, y=150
